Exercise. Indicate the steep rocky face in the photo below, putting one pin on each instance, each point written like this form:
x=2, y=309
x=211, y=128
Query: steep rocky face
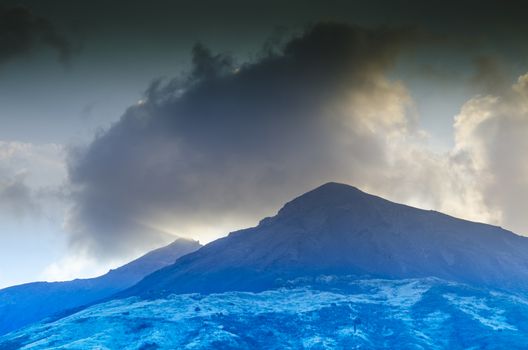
x=338, y=229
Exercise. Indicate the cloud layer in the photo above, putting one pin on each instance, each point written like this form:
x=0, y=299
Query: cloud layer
x=227, y=144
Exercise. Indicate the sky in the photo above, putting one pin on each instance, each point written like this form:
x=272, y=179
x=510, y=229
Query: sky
x=126, y=124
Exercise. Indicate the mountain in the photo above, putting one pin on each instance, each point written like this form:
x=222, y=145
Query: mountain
x=339, y=230
x=422, y=313
x=27, y=303
x=336, y=268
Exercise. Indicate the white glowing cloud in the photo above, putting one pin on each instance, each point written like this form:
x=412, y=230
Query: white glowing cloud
x=491, y=134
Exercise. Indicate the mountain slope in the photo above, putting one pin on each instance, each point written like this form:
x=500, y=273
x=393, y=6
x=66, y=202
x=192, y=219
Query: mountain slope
x=370, y=314
x=337, y=229
x=27, y=303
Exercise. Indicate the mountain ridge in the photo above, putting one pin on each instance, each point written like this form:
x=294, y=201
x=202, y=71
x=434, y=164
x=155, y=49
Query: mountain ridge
x=45, y=299
x=337, y=228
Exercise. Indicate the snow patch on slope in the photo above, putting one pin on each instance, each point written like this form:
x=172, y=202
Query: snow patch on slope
x=414, y=313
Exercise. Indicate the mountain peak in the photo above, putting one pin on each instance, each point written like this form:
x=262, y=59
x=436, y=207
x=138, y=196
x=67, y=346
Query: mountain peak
x=332, y=189
x=328, y=197
x=333, y=185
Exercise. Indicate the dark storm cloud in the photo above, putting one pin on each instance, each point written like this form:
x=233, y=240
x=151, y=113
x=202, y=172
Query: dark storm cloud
x=230, y=143
x=21, y=32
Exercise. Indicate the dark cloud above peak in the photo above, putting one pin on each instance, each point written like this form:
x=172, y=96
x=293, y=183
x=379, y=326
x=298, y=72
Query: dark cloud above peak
x=226, y=144
x=21, y=31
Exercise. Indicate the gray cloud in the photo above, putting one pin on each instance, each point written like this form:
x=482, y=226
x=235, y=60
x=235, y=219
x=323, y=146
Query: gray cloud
x=16, y=198
x=227, y=145
x=21, y=32
x=32, y=181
